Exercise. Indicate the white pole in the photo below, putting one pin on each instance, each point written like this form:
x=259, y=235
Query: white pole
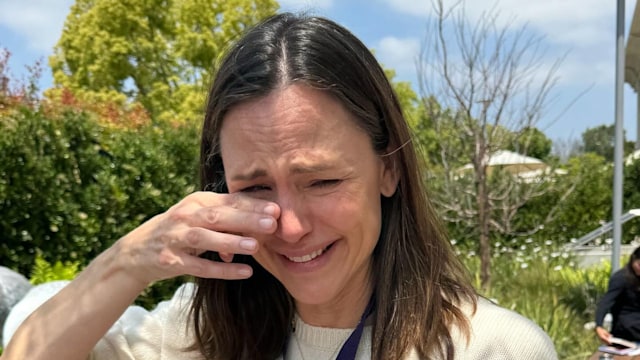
x=619, y=140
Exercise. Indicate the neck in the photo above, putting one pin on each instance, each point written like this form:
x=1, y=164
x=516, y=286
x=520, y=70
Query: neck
x=343, y=311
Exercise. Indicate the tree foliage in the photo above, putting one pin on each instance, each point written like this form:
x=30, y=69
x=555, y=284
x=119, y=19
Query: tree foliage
x=601, y=140
x=160, y=53
x=532, y=142
x=17, y=93
x=425, y=137
x=631, y=199
x=70, y=187
x=588, y=204
x=488, y=76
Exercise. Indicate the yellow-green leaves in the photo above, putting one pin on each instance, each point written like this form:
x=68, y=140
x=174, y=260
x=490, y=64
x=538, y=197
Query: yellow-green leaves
x=159, y=53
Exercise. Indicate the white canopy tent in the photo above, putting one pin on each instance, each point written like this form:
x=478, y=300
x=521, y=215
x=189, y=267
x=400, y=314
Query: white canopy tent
x=512, y=162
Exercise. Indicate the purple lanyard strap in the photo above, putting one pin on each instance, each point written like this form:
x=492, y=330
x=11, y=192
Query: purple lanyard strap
x=350, y=347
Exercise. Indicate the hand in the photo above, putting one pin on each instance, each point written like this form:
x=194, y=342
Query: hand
x=168, y=245
x=603, y=334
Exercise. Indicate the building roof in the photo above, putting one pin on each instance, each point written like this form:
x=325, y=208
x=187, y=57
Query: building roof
x=632, y=52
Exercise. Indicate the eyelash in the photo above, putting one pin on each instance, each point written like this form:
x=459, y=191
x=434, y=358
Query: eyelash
x=255, y=188
x=318, y=183
x=326, y=183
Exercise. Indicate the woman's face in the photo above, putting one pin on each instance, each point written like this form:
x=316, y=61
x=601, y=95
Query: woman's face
x=635, y=265
x=300, y=148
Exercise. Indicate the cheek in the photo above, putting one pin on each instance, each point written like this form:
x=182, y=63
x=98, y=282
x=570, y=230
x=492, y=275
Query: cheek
x=358, y=216
x=340, y=210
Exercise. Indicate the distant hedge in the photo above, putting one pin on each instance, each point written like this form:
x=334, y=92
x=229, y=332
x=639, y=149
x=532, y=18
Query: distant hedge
x=70, y=187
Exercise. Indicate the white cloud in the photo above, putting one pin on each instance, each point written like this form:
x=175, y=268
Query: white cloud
x=575, y=22
x=572, y=72
x=411, y=7
x=399, y=54
x=38, y=21
x=305, y=5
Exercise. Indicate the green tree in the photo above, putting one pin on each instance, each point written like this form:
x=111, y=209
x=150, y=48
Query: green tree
x=601, y=140
x=631, y=196
x=532, y=142
x=484, y=73
x=425, y=137
x=160, y=53
x=589, y=204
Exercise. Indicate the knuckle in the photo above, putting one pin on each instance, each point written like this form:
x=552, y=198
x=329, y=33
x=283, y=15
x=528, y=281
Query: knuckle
x=166, y=259
x=226, y=246
x=179, y=214
x=241, y=201
x=212, y=216
x=192, y=237
x=234, y=200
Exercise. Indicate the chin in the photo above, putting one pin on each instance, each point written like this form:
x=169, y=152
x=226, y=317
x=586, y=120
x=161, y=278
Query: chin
x=310, y=294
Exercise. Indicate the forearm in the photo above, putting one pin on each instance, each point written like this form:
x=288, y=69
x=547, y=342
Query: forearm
x=69, y=324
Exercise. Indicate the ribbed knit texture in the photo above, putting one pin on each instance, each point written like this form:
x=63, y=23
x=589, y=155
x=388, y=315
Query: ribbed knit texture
x=162, y=334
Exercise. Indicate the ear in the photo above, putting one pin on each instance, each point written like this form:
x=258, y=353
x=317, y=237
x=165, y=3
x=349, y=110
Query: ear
x=388, y=177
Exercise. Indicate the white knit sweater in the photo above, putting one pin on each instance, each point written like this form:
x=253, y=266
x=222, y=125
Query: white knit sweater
x=497, y=333
x=162, y=334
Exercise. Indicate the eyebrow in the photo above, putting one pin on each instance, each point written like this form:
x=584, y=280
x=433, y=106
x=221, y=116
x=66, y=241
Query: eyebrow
x=296, y=169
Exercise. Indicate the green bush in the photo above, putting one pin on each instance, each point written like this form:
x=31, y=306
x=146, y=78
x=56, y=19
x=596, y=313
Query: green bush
x=542, y=283
x=43, y=271
x=70, y=187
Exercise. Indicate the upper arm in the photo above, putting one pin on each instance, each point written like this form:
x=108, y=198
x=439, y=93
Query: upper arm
x=498, y=333
x=140, y=334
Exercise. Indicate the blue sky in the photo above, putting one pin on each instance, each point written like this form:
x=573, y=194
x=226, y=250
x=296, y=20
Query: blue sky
x=581, y=30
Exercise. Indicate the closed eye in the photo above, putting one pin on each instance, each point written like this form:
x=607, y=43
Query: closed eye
x=255, y=188
x=326, y=183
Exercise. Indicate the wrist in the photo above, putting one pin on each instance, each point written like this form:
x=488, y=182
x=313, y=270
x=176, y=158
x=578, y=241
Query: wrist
x=113, y=269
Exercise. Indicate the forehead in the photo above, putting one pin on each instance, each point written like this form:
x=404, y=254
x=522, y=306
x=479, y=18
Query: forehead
x=291, y=118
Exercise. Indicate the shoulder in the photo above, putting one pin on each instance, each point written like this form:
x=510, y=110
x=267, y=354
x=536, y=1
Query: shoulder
x=618, y=280
x=619, y=275
x=35, y=297
x=499, y=333
x=144, y=334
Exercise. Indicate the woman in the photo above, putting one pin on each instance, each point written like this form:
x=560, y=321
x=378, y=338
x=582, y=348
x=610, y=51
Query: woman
x=314, y=238
x=622, y=300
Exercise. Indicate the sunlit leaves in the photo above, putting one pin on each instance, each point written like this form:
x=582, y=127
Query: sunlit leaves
x=159, y=53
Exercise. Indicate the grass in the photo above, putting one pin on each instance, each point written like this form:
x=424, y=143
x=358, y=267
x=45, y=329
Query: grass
x=548, y=288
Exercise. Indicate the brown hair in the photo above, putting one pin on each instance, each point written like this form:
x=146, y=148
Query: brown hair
x=418, y=282
x=632, y=279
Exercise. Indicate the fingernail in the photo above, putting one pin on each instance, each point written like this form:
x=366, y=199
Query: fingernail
x=245, y=272
x=266, y=223
x=270, y=209
x=249, y=244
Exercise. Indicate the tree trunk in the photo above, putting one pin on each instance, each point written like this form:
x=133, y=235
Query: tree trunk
x=483, y=224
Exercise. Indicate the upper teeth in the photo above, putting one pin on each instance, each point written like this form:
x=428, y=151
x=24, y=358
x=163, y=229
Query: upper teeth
x=305, y=258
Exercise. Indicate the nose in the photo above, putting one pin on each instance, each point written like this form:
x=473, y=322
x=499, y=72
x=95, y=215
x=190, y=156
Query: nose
x=294, y=222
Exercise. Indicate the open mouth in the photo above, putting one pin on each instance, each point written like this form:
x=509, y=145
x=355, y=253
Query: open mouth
x=308, y=257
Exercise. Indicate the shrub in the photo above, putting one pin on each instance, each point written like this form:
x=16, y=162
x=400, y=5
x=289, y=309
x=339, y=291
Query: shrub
x=542, y=283
x=43, y=271
x=70, y=187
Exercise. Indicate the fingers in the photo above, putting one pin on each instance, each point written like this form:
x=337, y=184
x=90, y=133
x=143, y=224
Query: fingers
x=202, y=240
x=228, y=219
x=186, y=260
x=226, y=257
x=234, y=213
x=216, y=270
x=169, y=244
x=603, y=334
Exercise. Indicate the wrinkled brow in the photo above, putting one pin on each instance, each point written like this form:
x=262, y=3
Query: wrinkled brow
x=296, y=169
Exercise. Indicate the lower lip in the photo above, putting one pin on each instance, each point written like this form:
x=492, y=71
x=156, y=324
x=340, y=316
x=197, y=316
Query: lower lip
x=311, y=265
